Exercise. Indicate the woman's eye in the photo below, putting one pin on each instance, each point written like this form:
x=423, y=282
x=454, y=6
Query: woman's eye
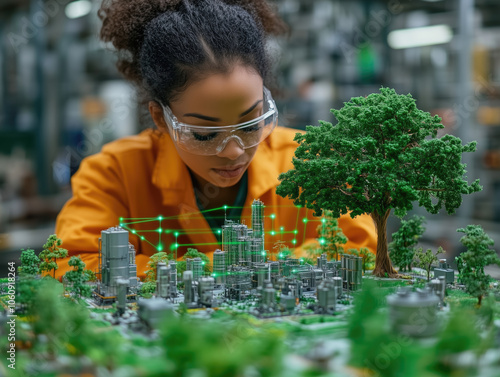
x=204, y=137
x=252, y=128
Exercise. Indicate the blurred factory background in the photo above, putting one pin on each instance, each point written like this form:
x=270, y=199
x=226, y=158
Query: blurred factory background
x=61, y=97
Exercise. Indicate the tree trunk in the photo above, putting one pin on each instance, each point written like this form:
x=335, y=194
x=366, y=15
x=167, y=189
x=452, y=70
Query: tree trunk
x=479, y=300
x=383, y=265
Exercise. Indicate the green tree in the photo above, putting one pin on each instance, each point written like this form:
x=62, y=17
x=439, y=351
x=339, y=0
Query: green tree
x=331, y=236
x=383, y=154
x=472, y=262
x=153, y=263
x=30, y=263
x=51, y=251
x=402, y=247
x=193, y=253
x=77, y=277
x=426, y=260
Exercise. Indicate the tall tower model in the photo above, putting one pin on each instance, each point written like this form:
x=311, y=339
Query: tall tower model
x=258, y=219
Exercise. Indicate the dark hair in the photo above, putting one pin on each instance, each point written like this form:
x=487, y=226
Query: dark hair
x=163, y=45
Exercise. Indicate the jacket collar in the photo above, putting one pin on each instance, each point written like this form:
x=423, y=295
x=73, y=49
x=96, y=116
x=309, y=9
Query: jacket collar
x=172, y=176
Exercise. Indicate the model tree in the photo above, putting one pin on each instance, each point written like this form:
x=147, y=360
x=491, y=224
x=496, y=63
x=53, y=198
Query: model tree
x=427, y=259
x=383, y=154
x=331, y=236
x=30, y=263
x=472, y=262
x=77, y=277
x=51, y=251
x=402, y=247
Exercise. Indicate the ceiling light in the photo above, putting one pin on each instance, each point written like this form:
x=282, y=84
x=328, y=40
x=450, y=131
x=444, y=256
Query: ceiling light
x=420, y=36
x=78, y=8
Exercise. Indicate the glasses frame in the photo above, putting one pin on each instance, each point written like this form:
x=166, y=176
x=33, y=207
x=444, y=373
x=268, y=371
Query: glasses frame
x=177, y=127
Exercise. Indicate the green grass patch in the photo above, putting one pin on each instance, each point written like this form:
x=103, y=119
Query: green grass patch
x=460, y=299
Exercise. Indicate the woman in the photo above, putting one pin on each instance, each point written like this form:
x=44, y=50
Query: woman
x=202, y=66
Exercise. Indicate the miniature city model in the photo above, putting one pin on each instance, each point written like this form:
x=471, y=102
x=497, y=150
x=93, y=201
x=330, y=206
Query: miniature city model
x=240, y=272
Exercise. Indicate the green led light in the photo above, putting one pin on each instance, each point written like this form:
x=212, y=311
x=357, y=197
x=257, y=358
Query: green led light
x=282, y=228
x=176, y=234
x=159, y=230
x=323, y=220
x=142, y=237
x=214, y=275
x=225, y=206
x=160, y=217
x=202, y=263
x=219, y=231
x=295, y=231
x=304, y=220
x=280, y=255
x=321, y=241
x=133, y=231
x=272, y=232
x=263, y=253
x=272, y=215
x=294, y=271
x=121, y=225
x=159, y=248
x=294, y=241
x=120, y=219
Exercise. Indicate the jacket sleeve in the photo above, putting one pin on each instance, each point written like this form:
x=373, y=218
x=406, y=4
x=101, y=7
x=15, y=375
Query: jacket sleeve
x=360, y=232
x=98, y=201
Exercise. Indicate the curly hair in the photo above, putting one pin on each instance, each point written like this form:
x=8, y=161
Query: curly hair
x=164, y=45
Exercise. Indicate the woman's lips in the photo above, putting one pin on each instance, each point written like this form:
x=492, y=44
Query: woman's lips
x=230, y=172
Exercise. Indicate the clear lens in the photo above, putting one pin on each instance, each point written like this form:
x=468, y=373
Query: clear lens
x=212, y=140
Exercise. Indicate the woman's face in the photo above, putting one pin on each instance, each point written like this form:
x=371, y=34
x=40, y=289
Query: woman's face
x=220, y=100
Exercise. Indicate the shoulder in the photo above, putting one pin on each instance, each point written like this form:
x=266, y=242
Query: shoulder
x=282, y=146
x=124, y=154
x=146, y=141
x=282, y=138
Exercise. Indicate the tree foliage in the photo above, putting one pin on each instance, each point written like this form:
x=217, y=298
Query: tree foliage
x=471, y=263
x=331, y=236
x=402, y=247
x=77, y=277
x=153, y=263
x=30, y=263
x=383, y=154
x=50, y=253
x=427, y=259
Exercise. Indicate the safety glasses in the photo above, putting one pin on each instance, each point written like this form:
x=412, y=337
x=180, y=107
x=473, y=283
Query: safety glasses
x=208, y=141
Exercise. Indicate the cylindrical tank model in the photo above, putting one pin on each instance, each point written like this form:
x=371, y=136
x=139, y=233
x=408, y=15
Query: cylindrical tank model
x=206, y=291
x=337, y=282
x=114, y=258
x=414, y=313
x=122, y=285
x=268, y=297
x=187, y=278
x=163, y=284
x=262, y=274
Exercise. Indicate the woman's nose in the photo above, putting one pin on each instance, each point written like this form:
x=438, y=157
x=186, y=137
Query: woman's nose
x=232, y=149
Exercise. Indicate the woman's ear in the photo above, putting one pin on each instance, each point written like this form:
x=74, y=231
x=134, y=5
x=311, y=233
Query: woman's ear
x=157, y=114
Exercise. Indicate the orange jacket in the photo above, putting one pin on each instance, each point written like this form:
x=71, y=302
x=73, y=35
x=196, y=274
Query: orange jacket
x=143, y=177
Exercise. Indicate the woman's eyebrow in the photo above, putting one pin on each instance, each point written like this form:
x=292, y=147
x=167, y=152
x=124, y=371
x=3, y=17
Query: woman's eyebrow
x=212, y=119
x=250, y=109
